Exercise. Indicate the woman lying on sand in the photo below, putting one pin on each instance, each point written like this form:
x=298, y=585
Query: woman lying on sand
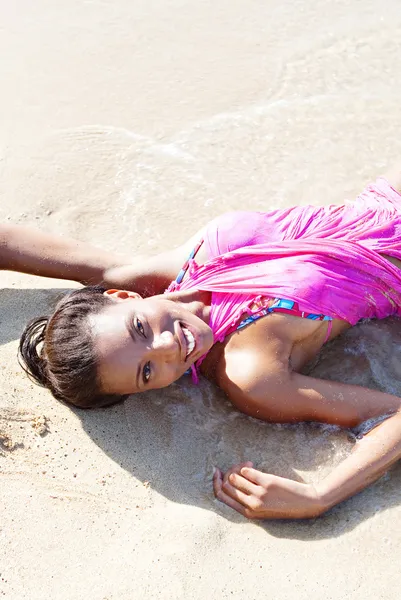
x=258, y=297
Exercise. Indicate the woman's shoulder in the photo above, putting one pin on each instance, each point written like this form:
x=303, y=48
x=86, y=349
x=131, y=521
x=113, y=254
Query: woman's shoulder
x=249, y=362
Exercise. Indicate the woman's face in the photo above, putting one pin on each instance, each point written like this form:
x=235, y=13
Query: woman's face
x=145, y=344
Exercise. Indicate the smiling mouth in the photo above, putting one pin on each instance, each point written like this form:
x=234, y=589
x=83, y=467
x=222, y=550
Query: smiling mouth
x=190, y=340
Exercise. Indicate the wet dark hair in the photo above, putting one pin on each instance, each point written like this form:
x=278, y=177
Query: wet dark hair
x=66, y=362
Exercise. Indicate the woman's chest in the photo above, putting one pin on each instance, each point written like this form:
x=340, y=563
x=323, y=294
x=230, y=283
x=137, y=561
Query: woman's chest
x=288, y=339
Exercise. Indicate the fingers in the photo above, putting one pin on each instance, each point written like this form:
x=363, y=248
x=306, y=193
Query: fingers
x=254, y=475
x=237, y=481
x=258, y=495
x=223, y=496
x=236, y=491
x=236, y=469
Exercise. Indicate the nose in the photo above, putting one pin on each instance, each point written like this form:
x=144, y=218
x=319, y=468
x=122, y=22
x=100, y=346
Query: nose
x=165, y=345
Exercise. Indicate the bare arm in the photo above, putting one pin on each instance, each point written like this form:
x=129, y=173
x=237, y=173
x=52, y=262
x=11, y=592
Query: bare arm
x=152, y=275
x=29, y=250
x=370, y=459
x=294, y=397
x=282, y=396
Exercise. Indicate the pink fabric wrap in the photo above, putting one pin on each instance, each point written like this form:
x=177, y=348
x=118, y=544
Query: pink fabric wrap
x=328, y=259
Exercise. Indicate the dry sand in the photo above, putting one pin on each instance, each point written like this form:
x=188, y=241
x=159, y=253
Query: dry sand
x=129, y=124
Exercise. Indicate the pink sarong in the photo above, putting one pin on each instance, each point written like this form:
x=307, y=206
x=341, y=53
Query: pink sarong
x=328, y=259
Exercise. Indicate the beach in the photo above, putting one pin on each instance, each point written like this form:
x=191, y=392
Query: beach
x=130, y=125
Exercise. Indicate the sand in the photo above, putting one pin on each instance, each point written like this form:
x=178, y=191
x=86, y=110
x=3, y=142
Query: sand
x=130, y=124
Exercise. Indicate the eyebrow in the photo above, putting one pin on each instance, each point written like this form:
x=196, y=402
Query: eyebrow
x=133, y=334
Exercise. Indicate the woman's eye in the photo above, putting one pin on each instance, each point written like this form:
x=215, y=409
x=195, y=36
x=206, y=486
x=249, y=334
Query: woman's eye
x=146, y=373
x=140, y=328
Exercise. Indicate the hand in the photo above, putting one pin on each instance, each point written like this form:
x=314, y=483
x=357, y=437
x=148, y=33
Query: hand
x=257, y=495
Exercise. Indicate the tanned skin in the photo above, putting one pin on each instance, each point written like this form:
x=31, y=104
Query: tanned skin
x=258, y=367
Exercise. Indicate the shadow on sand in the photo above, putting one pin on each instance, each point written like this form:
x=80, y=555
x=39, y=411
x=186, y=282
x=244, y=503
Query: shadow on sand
x=174, y=437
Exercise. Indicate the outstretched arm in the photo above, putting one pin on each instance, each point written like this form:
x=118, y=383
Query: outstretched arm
x=299, y=398
x=29, y=250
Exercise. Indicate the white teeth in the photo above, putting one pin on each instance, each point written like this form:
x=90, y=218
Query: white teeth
x=189, y=339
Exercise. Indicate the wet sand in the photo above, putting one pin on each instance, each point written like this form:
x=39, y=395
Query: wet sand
x=129, y=125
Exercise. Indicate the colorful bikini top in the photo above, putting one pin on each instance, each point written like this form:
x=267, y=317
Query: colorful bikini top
x=289, y=307
x=316, y=262
x=278, y=305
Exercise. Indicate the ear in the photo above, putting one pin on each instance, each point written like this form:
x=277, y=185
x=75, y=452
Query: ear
x=119, y=295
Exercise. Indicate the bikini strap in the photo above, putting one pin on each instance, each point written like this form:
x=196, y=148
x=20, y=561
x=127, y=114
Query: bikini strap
x=289, y=307
x=185, y=266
